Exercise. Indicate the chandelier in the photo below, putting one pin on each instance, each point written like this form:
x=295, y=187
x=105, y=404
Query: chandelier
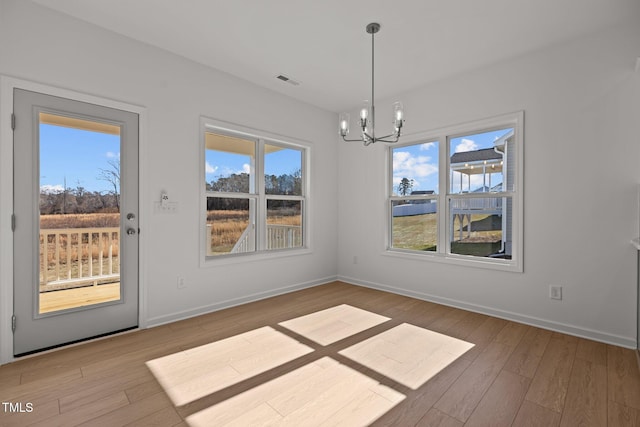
x=368, y=112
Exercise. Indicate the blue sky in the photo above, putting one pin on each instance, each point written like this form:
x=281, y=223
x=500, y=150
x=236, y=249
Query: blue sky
x=222, y=164
x=420, y=162
x=76, y=155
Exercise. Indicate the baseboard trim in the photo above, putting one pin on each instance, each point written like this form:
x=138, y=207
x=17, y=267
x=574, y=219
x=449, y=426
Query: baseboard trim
x=186, y=314
x=502, y=314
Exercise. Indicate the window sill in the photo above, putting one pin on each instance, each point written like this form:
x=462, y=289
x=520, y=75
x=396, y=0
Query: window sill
x=459, y=260
x=207, y=262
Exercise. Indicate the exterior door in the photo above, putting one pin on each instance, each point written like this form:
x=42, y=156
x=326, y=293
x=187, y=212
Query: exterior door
x=76, y=221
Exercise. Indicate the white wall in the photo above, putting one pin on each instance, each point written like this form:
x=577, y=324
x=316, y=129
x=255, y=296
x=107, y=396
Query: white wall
x=40, y=45
x=582, y=116
x=582, y=168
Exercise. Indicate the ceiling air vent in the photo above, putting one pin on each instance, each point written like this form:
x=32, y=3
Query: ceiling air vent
x=287, y=79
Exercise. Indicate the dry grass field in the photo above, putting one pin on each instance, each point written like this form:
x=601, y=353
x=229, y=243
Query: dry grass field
x=420, y=233
x=228, y=225
x=92, y=220
x=226, y=228
x=416, y=232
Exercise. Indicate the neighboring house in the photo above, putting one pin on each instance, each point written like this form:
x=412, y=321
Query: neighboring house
x=422, y=192
x=488, y=162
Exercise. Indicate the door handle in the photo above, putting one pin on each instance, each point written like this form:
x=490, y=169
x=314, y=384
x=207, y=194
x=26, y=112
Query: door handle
x=131, y=231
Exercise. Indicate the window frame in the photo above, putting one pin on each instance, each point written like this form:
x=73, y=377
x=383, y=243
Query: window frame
x=258, y=196
x=391, y=198
x=444, y=195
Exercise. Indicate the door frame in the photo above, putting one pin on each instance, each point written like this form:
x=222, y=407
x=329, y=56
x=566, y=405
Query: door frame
x=7, y=86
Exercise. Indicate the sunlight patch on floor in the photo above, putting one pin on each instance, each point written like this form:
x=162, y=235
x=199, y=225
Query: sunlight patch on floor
x=407, y=354
x=333, y=324
x=323, y=392
x=192, y=374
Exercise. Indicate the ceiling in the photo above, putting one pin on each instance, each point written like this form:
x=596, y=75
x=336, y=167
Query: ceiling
x=323, y=43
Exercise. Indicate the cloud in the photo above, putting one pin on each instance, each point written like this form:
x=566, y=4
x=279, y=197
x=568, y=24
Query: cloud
x=112, y=155
x=209, y=168
x=466, y=145
x=427, y=146
x=406, y=165
x=51, y=189
x=225, y=171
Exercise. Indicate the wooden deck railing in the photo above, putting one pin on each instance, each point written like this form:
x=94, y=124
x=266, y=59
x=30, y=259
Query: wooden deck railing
x=278, y=237
x=284, y=236
x=477, y=203
x=246, y=242
x=73, y=256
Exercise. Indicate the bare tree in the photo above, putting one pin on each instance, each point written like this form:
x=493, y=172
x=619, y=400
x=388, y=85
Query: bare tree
x=112, y=176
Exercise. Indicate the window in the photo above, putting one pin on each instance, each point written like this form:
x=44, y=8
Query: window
x=457, y=194
x=254, y=193
x=414, y=201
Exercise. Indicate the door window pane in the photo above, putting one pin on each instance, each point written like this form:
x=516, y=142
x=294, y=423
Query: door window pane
x=79, y=241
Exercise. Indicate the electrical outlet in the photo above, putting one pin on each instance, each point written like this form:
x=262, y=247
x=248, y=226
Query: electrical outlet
x=181, y=283
x=555, y=292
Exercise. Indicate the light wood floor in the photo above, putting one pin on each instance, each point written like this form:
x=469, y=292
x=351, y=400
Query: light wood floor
x=500, y=373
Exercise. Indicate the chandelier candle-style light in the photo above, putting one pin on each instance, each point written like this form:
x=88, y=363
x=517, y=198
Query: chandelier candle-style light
x=368, y=112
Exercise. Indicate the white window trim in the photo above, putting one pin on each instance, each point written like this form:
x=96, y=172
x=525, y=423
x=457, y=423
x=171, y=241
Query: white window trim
x=513, y=120
x=208, y=124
